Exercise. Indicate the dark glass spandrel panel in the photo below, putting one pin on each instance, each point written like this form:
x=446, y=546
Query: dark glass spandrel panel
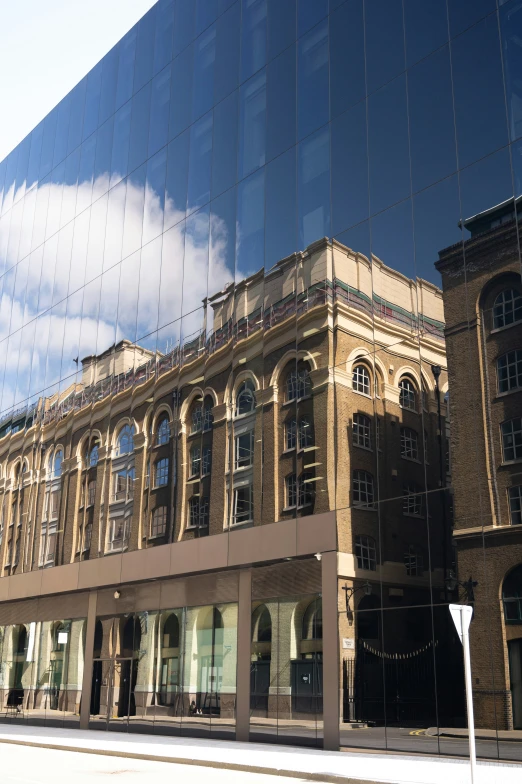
x=384, y=42
x=441, y=201
x=310, y=13
x=224, y=148
x=200, y=163
x=144, y=49
x=203, y=79
x=76, y=121
x=347, y=68
x=432, y=134
x=104, y=145
x=164, y=33
x=206, y=13
x=62, y=129
x=134, y=206
x=184, y=25
x=388, y=145
x=195, y=270
x=281, y=109
x=34, y=155
x=127, y=53
x=425, y=28
x=109, y=82
x=155, y=196
x=313, y=188
x=392, y=238
x=253, y=37
x=478, y=83
x=282, y=18
x=252, y=124
x=486, y=184
x=350, y=170
x=46, y=158
x=121, y=140
x=464, y=13
x=115, y=220
x=312, y=80
x=222, y=247
x=177, y=179
x=511, y=37
x=159, y=111
x=281, y=208
x=139, y=135
x=250, y=243
x=181, y=92
x=21, y=183
x=228, y=39
x=92, y=101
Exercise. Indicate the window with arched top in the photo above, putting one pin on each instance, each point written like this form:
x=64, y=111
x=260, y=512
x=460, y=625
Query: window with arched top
x=57, y=464
x=171, y=632
x=407, y=394
x=125, y=442
x=298, y=383
x=312, y=627
x=92, y=454
x=163, y=431
x=512, y=595
x=245, y=398
x=507, y=308
x=361, y=379
x=263, y=628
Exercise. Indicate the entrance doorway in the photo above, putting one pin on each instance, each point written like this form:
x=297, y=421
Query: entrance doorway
x=112, y=694
x=515, y=674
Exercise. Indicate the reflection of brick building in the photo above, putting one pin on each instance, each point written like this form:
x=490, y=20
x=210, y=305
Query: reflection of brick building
x=483, y=310
x=309, y=403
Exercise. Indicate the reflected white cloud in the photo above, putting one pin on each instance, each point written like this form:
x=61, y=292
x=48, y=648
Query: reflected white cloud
x=74, y=296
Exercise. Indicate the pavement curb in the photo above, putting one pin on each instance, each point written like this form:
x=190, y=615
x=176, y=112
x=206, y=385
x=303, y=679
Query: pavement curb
x=294, y=774
x=466, y=737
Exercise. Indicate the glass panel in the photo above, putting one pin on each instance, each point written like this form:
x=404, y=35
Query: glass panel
x=281, y=103
x=312, y=80
x=226, y=70
x=253, y=40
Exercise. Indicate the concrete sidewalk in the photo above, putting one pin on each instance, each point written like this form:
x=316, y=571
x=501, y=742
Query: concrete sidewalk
x=302, y=763
x=452, y=732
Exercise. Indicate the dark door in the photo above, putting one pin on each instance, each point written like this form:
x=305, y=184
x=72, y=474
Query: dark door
x=307, y=686
x=96, y=687
x=259, y=685
x=515, y=675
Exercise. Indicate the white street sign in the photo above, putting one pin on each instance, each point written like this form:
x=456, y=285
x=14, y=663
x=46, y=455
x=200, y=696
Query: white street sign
x=462, y=615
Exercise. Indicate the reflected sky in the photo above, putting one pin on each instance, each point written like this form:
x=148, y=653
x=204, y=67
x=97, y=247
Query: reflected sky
x=217, y=138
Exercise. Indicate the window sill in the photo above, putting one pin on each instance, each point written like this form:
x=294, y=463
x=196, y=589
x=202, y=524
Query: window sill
x=295, y=400
x=240, y=469
x=364, y=507
x=156, y=536
x=363, y=394
x=366, y=448
x=158, y=487
x=411, y=459
x=516, y=461
x=495, y=330
x=117, y=550
x=295, y=508
x=507, y=392
x=239, y=524
x=406, y=408
x=196, y=528
x=414, y=516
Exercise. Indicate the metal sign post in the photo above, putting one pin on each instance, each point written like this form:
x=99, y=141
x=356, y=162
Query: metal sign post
x=462, y=615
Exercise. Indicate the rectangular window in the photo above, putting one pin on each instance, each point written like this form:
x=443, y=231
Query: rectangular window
x=413, y=562
x=512, y=439
x=159, y=521
x=195, y=460
x=118, y=534
x=87, y=536
x=305, y=494
x=515, y=505
x=365, y=553
x=161, y=474
x=119, y=485
x=509, y=371
x=412, y=499
x=206, y=462
x=198, y=512
x=91, y=492
x=291, y=491
x=244, y=451
x=55, y=504
x=306, y=433
x=409, y=444
x=362, y=430
x=243, y=511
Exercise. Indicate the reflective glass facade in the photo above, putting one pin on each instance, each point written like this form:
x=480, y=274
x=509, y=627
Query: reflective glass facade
x=261, y=300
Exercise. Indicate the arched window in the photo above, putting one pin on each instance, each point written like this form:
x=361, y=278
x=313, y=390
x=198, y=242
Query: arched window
x=163, y=431
x=159, y=521
x=245, y=398
x=92, y=454
x=512, y=596
x=298, y=384
x=125, y=443
x=264, y=625
x=171, y=632
x=407, y=394
x=365, y=553
x=507, y=308
x=515, y=505
x=361, y=380
x=208, y=416
x=362, y=489
x=57, y=464
x=362, y=431
x=196, y=418
x=312, y=628
x=509, y=371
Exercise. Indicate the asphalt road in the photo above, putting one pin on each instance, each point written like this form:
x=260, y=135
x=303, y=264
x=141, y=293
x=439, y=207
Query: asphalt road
x=46, y=766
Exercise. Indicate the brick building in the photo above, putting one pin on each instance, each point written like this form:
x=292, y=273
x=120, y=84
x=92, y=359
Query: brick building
x=483, y=312
x=303, y=422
